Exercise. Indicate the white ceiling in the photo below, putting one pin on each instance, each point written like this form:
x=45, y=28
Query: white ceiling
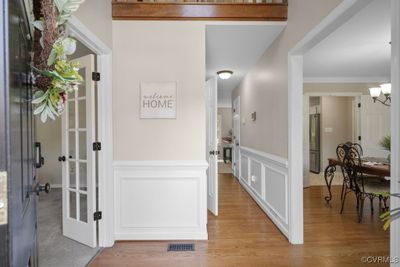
x=358, y=51
x=236, y=48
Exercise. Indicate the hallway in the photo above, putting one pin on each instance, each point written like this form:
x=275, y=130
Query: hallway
x=242, y=235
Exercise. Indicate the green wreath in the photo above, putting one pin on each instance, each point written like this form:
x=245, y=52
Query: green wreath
x=54, y=75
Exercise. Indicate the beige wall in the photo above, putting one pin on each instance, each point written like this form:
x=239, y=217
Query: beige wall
x=336, y=125
x=265, y=87
x=226, y=125
x=154, y=52
x=49, y=135
x=338, y=87
x=96, y=15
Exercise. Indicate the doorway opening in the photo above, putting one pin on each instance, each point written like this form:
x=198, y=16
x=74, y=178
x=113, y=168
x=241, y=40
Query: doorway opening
x=231, y=51
x=334, y=72
x=67, y=235
x=329, y=119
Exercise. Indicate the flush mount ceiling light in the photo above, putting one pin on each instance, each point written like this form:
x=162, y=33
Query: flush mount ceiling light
x=225, y=74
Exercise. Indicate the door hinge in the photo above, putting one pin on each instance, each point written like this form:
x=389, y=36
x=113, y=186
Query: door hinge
x=359, y=138
x=359, y=105
x=97, y=215
x=96, y=146
x=95, y=76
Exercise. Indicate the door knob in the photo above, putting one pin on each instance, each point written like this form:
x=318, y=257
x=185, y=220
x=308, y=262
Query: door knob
x=42, y=188
x=61, y=158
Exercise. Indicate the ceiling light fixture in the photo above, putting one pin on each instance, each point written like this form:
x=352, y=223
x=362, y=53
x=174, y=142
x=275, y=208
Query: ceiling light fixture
x=385, y=89
x=225, y=74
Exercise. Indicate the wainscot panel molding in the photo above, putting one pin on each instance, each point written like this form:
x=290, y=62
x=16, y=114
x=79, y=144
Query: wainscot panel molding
x=160, y=200
x=265, y=178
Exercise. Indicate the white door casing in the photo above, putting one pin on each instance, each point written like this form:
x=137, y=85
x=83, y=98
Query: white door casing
x=375, y=124
x=355, y=130
x=306, y=141
x=79, y=168
x=236, y=137
x=212, y=145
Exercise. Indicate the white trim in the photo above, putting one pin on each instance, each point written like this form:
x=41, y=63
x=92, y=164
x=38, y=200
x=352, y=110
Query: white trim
x=395, y=125
x=268, y=163
x=104, y=111
x=268, y=209
x=296, y=219
x=171, y=164
x=79, y=31
x=166, y=235
x=266, y=156
x=240, y=23
x=141, y=215
x=346, y=79
x=340, y=15
x=225, y=105
x=349, y=94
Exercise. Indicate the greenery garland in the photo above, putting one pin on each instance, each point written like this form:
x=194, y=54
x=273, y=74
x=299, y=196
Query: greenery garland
x=55, y=76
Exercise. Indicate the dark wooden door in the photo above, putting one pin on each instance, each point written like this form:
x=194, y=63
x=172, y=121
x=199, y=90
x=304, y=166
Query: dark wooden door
x=17, y=138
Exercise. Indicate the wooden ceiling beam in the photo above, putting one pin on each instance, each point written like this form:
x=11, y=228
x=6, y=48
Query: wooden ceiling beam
x=199, y=11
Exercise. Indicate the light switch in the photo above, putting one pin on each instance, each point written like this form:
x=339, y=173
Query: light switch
x=328, y=130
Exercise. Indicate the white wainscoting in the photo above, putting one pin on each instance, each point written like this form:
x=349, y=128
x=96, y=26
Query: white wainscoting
x=265, y=178
x=160, y=200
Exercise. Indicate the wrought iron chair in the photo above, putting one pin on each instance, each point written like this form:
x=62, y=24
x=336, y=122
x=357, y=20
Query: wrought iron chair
x=355, y=181
x=340, y=152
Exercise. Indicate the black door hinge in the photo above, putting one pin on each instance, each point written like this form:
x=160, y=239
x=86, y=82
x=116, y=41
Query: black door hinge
x=96, y=76
x=96, y=146
x=359, y=138
x=359, y=105
x=97, y=216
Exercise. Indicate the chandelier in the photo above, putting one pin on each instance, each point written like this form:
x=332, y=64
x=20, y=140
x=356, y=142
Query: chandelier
x=385, y=89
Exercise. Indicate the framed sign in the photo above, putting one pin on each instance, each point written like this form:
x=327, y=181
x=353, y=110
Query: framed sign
x=158, y=100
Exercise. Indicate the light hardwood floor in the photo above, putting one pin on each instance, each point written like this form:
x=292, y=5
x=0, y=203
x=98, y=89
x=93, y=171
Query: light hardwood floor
x=242, y=235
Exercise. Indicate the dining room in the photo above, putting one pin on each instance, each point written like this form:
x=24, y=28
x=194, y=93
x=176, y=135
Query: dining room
x=346, y=147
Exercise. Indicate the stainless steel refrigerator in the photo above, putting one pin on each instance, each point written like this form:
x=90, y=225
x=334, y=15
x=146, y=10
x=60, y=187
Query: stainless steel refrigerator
x=315, y=138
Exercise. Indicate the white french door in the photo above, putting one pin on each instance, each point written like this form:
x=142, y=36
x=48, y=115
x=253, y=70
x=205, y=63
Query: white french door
x=79, y=168
x=212, y=145
x=236, y=136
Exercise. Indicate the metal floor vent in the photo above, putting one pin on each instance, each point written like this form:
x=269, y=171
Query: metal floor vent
x=180, y=247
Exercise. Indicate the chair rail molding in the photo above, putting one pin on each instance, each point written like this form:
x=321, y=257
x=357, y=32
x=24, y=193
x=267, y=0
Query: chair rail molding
x=265, y=177
x=160, y=200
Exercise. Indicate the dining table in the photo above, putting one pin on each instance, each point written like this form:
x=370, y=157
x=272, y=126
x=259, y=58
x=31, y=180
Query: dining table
x=379, y=167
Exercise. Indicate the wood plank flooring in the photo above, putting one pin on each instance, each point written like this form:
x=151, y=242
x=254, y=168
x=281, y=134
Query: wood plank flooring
x=242, y=235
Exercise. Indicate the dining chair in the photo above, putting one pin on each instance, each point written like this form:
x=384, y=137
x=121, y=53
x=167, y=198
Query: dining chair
x=355, y=181
x=340, y=152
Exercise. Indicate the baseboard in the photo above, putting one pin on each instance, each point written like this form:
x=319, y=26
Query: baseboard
x=162, y=236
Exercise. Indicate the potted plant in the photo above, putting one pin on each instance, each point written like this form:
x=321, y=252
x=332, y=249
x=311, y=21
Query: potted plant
x=385, y=143
x=391, y=215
